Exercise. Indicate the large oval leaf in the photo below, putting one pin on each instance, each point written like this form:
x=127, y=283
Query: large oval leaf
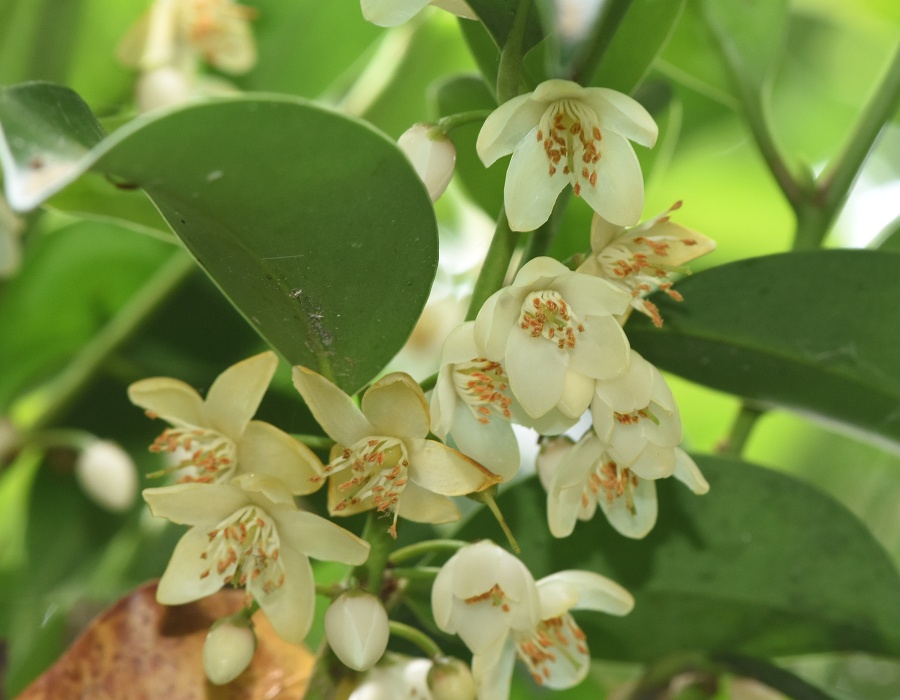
x=313, y=224
x=761, y=565
x=814, y=331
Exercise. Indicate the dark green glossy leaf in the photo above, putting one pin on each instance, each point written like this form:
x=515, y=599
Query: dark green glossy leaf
x=313, y=224
x=498, y=15
x=762, y=565
x=813, y=331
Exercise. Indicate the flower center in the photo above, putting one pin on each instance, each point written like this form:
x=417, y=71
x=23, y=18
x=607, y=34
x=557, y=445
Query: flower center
x=609, y=481
x=546, y=314
x=243, y=551
x=207, y=453
x=484, y=387
x=558, y=637
x=571, y=137
x=377, y=470
x=495, y=595
x=636, y=417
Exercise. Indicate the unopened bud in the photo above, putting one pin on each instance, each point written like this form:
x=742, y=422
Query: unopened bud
x=451, y=679
x=162, y=87
x=228, y=650
x=357, y=628
x=107, y=475
x=432, y=156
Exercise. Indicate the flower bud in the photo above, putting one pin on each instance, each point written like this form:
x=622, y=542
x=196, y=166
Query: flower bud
x=451, y=679
x=432, y=156
x=107, y=475
x=228, y=650
x=162, y=87
x=357, y=628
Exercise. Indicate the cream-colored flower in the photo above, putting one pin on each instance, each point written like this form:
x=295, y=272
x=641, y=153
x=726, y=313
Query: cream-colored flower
x=587, y=477
x=432, y=155
x=642, y=259
x=228, y=650
x=107, y=474
x=357, y=629
x=390, y=13
x=249, y=533
x=395, y=677
x=215, y=438
x=382, y=459
x=554, y=332
x=472, y=404
x=564, y=133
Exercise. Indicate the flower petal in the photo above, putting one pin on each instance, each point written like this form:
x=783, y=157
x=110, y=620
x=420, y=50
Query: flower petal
x=602, y=233
x=542, y=270
x=233, y=398
x=653, y=462
x=531, y=190
x=536, y=369
x=339, y=417
x=506, y=126
x=592, y=296
x=170, y=399
x=183, y=580
x=445, y=471
x=460, y=346
x=396, y=406
x=622, y=114
x=688, y=473
x=319, y=538
x=491, y=444
x=619, y=193
x=290, y=607
x=586, y=590
x=264, y=449
x=601, y=351
x=629, y=391
x=390, y=13
x=422, y=506
x=633, y=524
x=497, y=317
x=195, y=504
x=494, y=673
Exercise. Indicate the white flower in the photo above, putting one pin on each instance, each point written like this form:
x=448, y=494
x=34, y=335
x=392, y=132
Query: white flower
x=390, y=13
x=554, y=332
x=395, y=677
x=382, y=459
x=228, y=650
x=107, y=474
x=432, y=155
x=564, y=133
x=642, y=259
x=472, y=404
x=216, y=437
x=249, y=533
x=357, y=629
x=588, y=477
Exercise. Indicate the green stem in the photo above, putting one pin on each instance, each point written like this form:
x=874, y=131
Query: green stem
x=417, y=637
x=371, y=573
x=741, y=429
x=771, y=675
x=420, y=549
x=43, y=406
x=585, y=66
x=315, y=442
x=453, y=121
x=487, y=497
x=415, y=573
x=496, y=265
x=510, y=76
x=429, y=383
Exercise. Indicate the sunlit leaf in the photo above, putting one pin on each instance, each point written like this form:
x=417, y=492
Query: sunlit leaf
x=761, y=565
x=815, y=332
x=139, y=643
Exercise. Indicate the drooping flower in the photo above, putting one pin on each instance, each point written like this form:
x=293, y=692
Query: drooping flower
x=564, y=133
x=587, y=477
x=216, y=438
x=642, y=259
x=432, y=155
x=357, y=629
x=472, y=404
x=554, y=332
x=382, y=460
x=391, y=13
x=248, y=533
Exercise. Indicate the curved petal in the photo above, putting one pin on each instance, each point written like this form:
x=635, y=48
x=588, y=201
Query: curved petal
x=578, y=390
x=563, y=505
x=653, y=462
x=592, y=296
x=422, y=506
x=492, y=444
x=319, y=538
x=339, y=417
x=531, y=190
x=390, y=13
x=567, y=659
x=536, y=368
x=496, y=319
x=460, y=346
x=558, y=89
x=441, y=470
x=688, y=473
x=554, y=422
x=264, y=449
x=396, y=406
x=506, y=126
x=622, y=114
x=233, y=398
x=494, y=678
x=290, y=607
x=195, y=504
x=619, y=193
x=578, y=464
x=602, y=351
x=170, y=399
x=586, y=591
x=602, y=233
x=631, y=390
x=540, y=271
x=183, y=580
x=633, y=524
x=444, y=403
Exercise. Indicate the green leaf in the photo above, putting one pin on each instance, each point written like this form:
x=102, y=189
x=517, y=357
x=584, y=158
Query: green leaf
x=313, y=224
x=762, y=565
x=498, y=15
x=813, y=331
